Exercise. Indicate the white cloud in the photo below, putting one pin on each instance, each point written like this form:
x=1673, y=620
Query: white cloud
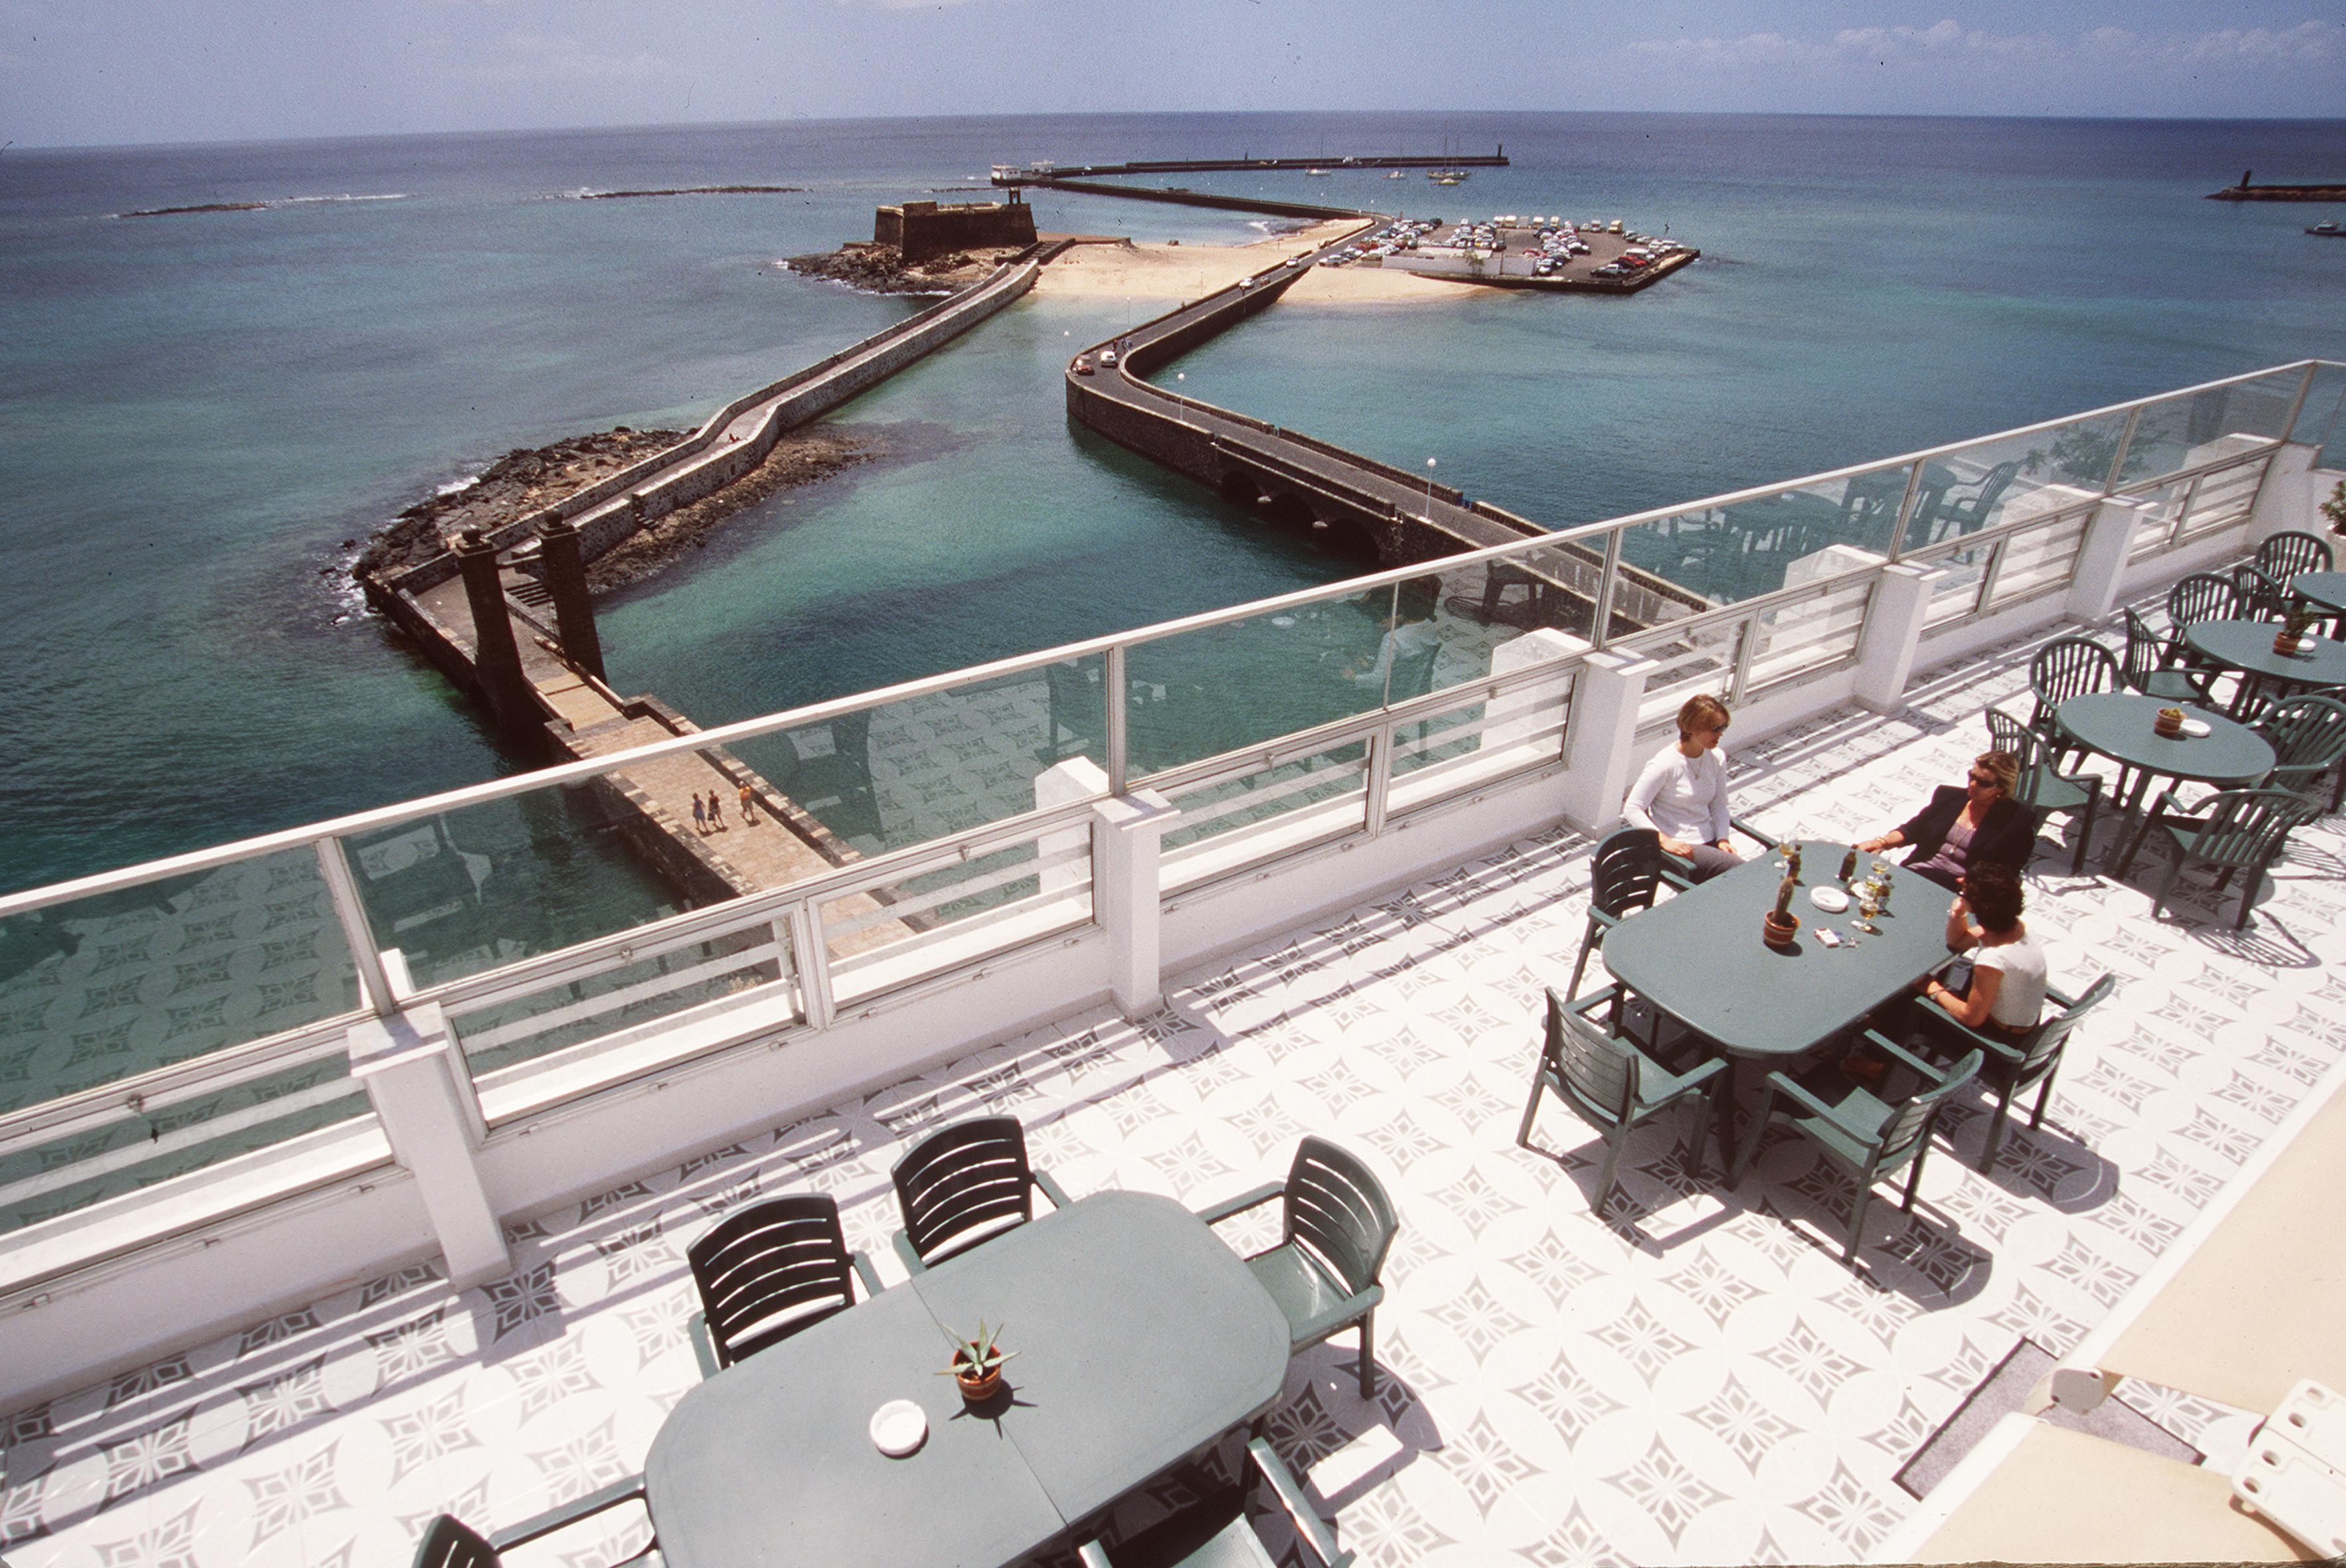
x=2308, y=43
x=542, y=57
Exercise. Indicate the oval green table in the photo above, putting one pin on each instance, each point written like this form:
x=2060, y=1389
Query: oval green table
x=2326, y=590
x=2118, y=725
x=2247, y=646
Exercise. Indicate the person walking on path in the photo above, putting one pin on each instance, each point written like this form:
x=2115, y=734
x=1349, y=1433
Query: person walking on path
x=700, y=815
x=717, y=823
x=748, y=812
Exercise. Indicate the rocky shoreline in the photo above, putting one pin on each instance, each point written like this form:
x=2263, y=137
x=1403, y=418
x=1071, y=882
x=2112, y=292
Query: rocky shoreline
x=877, y=268
x=528, y=478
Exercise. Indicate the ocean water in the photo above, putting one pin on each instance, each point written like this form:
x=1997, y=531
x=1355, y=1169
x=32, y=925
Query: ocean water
x=197, y=412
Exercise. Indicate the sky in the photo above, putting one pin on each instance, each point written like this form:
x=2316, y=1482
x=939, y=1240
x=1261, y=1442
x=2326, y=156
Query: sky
x=107, y=72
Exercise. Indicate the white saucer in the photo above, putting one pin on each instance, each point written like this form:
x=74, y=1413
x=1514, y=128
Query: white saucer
x=898, y=1428
x=2196, y=728
x=1832, y=901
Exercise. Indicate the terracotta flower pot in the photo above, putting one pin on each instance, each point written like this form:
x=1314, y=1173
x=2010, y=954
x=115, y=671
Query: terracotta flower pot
x=2286, y=642
x=1780, y=933
x=976, y=1388
x=2169, y=723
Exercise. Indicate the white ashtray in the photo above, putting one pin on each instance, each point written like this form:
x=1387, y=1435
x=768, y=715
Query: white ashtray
x=898, y=1428
x=2197, y=728
x=1832, y=901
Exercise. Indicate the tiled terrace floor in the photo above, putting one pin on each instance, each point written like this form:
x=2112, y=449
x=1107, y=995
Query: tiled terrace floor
x=1691, y=1378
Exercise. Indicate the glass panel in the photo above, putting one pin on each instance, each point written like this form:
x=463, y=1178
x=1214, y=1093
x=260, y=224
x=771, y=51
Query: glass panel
x=1223, y=688
x=1808, y=635
x=1009, y=895
x=2191, y=429
x=153, y=1144
x=2013, y=477
x=1531, y=718
x=1665, y=564
x=1341, y=774
x=2156, y=532
x=1698, y=660
x=926, y=767
x=109, y=987
x=1956, y=594
x=2321, y=423
x=1753, y=547
x=2222, y=499
x=471, y=889
x=2039, y=558
x=1553, y=586
x=735, y=964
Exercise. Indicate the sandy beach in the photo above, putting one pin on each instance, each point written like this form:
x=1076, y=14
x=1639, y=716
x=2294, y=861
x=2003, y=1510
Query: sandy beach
x=1153, y=273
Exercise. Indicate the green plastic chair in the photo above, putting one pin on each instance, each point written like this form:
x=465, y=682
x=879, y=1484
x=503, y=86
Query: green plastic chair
x=1335, y=1230
x=449, y=1542
x=2309, y=739
x=2008, y=1068
x=1975, y=511
x=2236, y=831
x=1625, y=875
x=2045, y=790
x=1612, y=1083
x=2150, y=669
x=2063, y=668
x=1214, y=1532
x=769, y=1271
x=2292, y=551
x=2263, y=598
x=963, y=1186
x=1869, y=1137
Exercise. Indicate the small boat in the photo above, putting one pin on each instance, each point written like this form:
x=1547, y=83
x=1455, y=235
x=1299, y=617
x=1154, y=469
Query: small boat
x=1315, y=171
x=1397, y=174
x=2328, y=228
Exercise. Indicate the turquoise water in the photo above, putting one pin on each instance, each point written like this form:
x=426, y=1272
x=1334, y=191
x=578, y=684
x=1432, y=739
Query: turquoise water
x=197, y=411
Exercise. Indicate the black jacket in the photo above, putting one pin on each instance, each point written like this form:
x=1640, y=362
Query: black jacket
x=2007, y=835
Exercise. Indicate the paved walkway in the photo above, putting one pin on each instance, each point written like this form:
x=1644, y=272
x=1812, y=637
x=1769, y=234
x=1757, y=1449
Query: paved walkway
x=1691, y=1377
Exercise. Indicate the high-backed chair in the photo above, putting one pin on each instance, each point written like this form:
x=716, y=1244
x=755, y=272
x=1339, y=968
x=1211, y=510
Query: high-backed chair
x=2199, y=597
x=2042, y=788
x=1972, y=513
x=2065, y=667
x=962, y=1185
x=1214, y=1532
x=2236, y=831
x=1624, y=876
x=1336, y=1226
x=767, y=1272
x=1870, y=1138
x=2150, y=670
x=2309, y=739
x=2264, y=598
x=1611, y=1081
x=449, y=1542
x=2291, y=551
x=2010, y=1068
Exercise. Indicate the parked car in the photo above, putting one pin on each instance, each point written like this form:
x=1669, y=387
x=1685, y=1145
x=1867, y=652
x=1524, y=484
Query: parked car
x=1083, y=364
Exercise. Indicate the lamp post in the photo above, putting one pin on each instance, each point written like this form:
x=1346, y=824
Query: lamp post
x=1181, y=401
x=1429, y=490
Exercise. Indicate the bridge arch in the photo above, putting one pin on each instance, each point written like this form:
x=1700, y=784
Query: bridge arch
x=1241, y=488
x=1290, y=510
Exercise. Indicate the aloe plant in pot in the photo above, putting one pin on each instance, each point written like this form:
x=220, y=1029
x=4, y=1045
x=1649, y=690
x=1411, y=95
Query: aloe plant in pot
x=977, y=1363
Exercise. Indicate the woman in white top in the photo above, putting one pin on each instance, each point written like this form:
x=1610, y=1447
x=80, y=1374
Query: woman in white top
x=1682, y=793
x=2006, y=994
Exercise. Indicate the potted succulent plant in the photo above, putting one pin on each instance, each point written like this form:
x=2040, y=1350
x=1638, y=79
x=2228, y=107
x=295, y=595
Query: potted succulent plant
x=1782, y=926
x=976, y=1365
x=2168, y=724
x=2292, y=636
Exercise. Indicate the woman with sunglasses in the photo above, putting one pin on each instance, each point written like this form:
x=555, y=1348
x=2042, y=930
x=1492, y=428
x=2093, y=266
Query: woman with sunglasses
x=1977, y=823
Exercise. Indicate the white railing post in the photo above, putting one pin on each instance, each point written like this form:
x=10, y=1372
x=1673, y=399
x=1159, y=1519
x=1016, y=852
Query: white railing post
x=1127, y=833
x=1894, y=618
x=358, y=932
x=1602, y=737
x=1511, y=715
x=1063, y=784
x=2099, y=576
x=415, y=1077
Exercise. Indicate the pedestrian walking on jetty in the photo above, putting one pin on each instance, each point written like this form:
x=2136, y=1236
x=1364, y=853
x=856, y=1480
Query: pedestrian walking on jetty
x=749, y=813
x=700, y=815
x=716, y=814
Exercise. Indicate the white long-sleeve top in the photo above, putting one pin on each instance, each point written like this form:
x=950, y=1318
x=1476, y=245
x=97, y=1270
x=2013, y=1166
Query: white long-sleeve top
x=1681, y=797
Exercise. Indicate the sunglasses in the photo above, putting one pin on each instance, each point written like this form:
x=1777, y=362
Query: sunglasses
x=1983, y=780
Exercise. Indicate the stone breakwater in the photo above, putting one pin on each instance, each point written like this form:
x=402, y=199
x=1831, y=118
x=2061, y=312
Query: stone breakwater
x=877, y=268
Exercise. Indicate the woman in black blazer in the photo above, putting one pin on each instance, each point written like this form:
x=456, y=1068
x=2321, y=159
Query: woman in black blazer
x=1977, y=824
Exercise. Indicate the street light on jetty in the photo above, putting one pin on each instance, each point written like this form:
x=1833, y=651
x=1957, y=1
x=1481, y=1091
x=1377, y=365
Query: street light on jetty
x=1181, y=401
x=1429, y=490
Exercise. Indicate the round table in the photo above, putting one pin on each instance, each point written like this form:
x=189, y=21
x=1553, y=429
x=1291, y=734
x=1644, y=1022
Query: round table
x=2118, y=725
x=2247, y=646
x=2326, y=590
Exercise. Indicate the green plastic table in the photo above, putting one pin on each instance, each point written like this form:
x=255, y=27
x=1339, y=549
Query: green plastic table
x=2247, y=646
x=2326, y=590
x=1141, y=1338
x=2117, y=725
x=1698, y=957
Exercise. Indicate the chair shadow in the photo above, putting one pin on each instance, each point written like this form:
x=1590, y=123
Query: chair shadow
x=1921, y=1255
x=2045, y=1164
